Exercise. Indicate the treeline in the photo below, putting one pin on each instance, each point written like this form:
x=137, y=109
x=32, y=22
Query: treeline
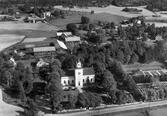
x=157, y=5
x=153, y=94
x=130, y=2
x=82, y=3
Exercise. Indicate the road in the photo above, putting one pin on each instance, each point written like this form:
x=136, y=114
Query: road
x=8, y=109
x=114, y=109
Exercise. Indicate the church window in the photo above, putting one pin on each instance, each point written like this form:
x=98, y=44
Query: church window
x=64, y=82
x=79, y=83
x=87, y=80
x=72, y=81
x=91, y=80
x=83, y=81
x=68, y=81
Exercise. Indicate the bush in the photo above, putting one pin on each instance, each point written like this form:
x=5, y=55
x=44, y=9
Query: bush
x=72, y=28
x=84, y=20
x=88, y=99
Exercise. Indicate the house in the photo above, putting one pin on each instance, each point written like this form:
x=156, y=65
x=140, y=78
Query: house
x=158, y=38
x=72, y=39
x=66, y=34
x=34, y=19
x=41, y=63
x=44, y=51
x=78, y=77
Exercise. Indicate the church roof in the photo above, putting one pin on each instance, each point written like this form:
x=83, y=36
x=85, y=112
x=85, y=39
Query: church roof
x=86, y=71
x=69, y=72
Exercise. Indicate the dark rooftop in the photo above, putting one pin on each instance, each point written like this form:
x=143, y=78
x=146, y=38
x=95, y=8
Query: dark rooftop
x=86, y=71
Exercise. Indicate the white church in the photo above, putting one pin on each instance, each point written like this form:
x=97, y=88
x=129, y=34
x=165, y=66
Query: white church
x=78, y=77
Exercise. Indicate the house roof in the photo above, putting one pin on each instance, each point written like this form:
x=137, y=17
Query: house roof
x=72, y=39
x=43, y=49
x=65, y=33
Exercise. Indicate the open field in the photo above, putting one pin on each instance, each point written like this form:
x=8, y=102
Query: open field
x=30, y=33
x=76, y=18
x=114, y=10
x=8, y=109
x=13, y=32
x=27, y=26
x=6, y=42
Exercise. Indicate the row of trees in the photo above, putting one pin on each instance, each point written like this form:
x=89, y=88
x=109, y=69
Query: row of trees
x=153, y=94
x=157, y=5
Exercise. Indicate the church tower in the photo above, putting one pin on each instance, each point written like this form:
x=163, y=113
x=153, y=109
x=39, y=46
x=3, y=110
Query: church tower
x=79, y=75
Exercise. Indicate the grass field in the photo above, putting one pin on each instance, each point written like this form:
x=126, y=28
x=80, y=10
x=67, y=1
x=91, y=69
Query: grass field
x=27, y=26
x=76, y=18
x=30, y=33
x=114, y=10
x=6, y=42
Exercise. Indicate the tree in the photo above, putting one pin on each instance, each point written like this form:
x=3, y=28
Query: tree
x=28, y=82
x=120, y=56
x=99, y=70
x=82, y=100
x=72, y=28
x=54, y=88
x=94, y=38
x=31, y=109
x=113, y=96
x=56, y=13
x=88, y=99
x=20, y=78
x=84, y=20
x=44, y=73
x=134, y=58
x=7, y=78
x=108, y=82
x=72, y=100
x=69, y=62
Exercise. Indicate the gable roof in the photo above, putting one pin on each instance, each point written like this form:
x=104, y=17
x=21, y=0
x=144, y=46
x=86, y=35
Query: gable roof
x=69, y=72
x=43, y=49
x=88, y=71
x=72, y=39
x=64, y=33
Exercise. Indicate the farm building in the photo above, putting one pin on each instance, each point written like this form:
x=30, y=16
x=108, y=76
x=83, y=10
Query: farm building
x=147, y=73
x=44, y=51
x=41, y=47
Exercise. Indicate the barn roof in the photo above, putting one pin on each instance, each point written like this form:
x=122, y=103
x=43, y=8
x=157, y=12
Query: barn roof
x=43, y=49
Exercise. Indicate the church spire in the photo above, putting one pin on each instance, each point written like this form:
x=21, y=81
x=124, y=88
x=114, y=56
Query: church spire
x=79, y=64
